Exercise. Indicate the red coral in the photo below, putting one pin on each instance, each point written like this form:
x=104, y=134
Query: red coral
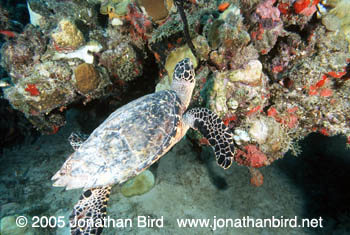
x=55, y=129
x=277, y=69
x=324, y=131
x=326, y=92
x=8, y=33
x=292, y=110
x=305, y=7
x=336, y=74
x=263, y=51
x=229, y=119
x=300, y=5
x=291, y=121
x=283, y=8
x=272, y=112
x=288, y=119
x=31, y=88
x=139, y=21
x=252, y=156
x=321, y=82
x=254, y=110
x=60, y=49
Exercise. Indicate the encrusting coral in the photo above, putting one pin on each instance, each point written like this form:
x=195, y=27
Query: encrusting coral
x=67, y=37
x=87, y=78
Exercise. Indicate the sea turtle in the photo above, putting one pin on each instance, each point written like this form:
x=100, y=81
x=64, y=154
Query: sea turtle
x=132, y=138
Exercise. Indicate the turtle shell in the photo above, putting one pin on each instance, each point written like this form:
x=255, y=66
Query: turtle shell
x=128, y=141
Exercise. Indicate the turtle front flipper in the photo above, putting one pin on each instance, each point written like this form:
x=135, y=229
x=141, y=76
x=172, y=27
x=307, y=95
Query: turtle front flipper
x=212, y=127
x=90, y=211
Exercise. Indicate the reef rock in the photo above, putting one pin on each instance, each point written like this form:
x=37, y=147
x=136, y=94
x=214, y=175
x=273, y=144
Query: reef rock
x=67, y=37
x=121, y=62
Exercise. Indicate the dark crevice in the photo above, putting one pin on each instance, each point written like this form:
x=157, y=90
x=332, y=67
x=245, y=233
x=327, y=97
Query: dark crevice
x=101, y=19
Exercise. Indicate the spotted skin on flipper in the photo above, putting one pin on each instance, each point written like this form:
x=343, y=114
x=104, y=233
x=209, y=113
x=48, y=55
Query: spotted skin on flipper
x=215, y=131
x=92, y=206
x=76, y=139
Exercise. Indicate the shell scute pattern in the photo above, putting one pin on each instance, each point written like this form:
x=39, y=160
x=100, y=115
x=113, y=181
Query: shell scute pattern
x=130, y=139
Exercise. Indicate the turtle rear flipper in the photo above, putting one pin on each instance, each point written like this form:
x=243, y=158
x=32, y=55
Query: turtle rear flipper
x=76, y=139
x=90, y=211
x=212, y=127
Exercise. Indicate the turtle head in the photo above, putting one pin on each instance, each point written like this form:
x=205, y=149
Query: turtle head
x=184, y=81
x=184, y=71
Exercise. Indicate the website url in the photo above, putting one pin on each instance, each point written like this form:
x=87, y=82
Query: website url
x=246, y=222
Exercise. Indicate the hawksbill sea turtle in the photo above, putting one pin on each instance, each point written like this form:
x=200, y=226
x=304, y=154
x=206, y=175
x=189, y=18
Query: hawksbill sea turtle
x=131, y=139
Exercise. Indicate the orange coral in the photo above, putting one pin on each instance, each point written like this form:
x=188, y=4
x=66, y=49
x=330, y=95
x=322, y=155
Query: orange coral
x=31, y=88
x=223, y=6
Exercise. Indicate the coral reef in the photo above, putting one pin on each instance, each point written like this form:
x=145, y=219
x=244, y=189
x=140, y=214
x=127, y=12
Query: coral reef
x=272, y=70
x=21, y=54
x=45, y=62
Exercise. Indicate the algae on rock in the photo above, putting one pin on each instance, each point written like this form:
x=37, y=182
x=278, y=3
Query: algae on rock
x=138, y=185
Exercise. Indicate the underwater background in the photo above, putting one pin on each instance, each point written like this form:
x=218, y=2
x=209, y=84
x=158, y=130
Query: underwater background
x=275, y=71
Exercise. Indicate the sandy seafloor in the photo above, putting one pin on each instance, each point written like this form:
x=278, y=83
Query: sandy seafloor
x=190, y=185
